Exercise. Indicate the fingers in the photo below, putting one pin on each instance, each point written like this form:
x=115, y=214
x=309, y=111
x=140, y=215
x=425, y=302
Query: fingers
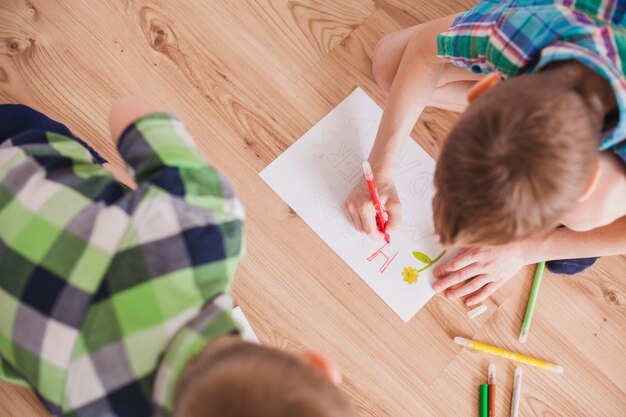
x=482, y=295
x=368, y=220
x=363, y=218
x=457, y=277
x=463, y=250
x=353, y=216
x=460, y=261
x=394, y=213
x=362, y=214
x=469, y=287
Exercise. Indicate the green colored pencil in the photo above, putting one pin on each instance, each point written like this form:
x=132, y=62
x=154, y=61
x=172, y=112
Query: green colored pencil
x=532, y=300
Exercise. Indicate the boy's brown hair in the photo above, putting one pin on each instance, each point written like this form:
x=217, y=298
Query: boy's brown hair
x=518, y=159
x=240, y=379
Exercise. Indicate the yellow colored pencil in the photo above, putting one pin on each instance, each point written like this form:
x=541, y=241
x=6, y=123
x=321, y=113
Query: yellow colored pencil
x=507, y=354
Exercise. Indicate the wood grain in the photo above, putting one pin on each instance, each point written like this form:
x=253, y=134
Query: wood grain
x=249, y=77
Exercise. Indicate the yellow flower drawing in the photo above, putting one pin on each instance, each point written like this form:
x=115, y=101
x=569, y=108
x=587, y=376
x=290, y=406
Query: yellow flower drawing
x=410, y=275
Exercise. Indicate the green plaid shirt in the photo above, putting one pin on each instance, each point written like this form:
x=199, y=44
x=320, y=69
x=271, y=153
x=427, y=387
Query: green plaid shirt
x=106, y=293
x=516, y=36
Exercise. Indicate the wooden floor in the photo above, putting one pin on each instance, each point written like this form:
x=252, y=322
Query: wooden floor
x=249, y=77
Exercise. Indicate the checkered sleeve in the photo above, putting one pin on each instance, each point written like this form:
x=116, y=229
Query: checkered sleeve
x=464, y=44
x=158, y=149
x=10, y=375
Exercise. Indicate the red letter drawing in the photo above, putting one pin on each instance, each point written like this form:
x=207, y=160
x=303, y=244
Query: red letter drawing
x=388, y=259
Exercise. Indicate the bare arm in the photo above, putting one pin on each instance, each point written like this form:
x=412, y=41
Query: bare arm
x=567, y=244
x=483, y=269
x=418, y=72
x=415, y=81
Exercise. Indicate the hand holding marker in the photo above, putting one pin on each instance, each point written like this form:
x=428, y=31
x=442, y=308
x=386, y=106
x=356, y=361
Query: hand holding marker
x=380, y=215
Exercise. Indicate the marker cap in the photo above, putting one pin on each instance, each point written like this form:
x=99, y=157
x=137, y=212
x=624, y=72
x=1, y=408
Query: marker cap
x=523, y=335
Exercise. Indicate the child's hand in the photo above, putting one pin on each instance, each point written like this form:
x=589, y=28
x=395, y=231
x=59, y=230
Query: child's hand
x=360, y=209
x=480, y=270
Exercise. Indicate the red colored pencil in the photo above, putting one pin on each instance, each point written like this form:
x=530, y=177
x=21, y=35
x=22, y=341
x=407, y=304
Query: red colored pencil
x=380, y=218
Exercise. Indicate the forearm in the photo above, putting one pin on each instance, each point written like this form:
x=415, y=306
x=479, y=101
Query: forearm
x=414, y=83
x=564, y=243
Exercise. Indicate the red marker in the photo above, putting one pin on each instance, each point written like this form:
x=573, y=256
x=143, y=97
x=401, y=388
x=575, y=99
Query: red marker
x=380, y=218
x=491, y=379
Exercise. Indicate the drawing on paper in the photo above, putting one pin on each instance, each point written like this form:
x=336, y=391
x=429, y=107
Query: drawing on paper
x=411, y=274
x=316, y=174
x=388, y=257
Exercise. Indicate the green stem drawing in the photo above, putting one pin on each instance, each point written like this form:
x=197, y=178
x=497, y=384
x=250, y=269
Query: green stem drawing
x=429, y=263
x=411, y=274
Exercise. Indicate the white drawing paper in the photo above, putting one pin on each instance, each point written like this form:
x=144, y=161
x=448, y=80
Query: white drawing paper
x=317, y=173
x=247, y=333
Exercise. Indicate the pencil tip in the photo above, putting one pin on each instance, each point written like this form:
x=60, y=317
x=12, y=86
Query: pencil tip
x=523, y=336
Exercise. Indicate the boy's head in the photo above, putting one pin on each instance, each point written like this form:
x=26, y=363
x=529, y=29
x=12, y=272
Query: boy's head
x=233, y=378
x=519, y=158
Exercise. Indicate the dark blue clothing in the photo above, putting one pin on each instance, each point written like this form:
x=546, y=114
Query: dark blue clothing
x=18, y=118
x=570, y=266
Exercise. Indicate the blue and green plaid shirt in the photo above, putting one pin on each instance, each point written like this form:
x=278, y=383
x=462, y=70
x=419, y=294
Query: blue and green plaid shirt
x=106, y=293
x=516, y=36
